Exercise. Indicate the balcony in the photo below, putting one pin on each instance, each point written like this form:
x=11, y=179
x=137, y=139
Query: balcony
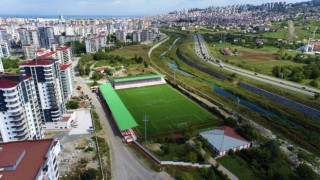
x=16, y=109
x=56, y=119
x=21, y=129
x=16, y=114
x=55, y=115
x=55, y=111
x=21, y=138
x=18, y=124
x=17, y=120
x=10, y=93
x=21, y=135
x=13, y=104
x=47, y=69
x=11, y=98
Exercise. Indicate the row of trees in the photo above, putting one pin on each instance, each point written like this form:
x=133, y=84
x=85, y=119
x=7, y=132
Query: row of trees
x=297, y=74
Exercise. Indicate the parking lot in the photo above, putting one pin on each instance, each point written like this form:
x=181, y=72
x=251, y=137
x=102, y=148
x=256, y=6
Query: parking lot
x=84, y=122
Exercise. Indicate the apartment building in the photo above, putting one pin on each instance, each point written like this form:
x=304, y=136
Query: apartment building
x=29, y=37
x=136, y=36
x=47, y=79
x=36, y=159
x=145, y=35
x=64, y=55
x=121, y=35
x=3, y=35
x=4, y=49
x=29, y=51
x=46, y=35
x=67, y=79
x=19, y=110
x=93, y=45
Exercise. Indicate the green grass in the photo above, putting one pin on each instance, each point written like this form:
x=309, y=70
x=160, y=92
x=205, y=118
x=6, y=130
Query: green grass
x=131, y=51
x=165, y=107
x=239, y=167
x=258, y=60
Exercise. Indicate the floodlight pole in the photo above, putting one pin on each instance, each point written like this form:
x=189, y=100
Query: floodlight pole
x=145, y=120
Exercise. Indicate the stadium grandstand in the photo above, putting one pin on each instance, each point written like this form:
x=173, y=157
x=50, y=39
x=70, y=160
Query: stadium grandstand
x=138, y=81
x=121, y=116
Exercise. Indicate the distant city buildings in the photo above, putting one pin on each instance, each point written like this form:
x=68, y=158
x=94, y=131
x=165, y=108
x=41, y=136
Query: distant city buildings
x=29, y=51
x=93, y=45
x=46, y=35
x=19, y=110
x=36, y=159
x=4, y=49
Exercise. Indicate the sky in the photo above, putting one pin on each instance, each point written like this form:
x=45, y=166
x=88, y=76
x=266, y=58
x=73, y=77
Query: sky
x=112, y=7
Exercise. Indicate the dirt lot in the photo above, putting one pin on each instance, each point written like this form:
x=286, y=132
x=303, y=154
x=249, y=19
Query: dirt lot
x=256, y=56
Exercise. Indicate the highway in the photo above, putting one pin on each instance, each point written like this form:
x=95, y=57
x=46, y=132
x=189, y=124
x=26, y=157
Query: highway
x=203, y=53
x=124, y=164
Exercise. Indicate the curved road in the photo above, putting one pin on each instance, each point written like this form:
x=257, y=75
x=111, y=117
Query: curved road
x=124, y=164
x=203, y=53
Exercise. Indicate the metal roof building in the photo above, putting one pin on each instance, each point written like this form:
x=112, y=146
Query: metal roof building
x=223, y=139
x=122, y=116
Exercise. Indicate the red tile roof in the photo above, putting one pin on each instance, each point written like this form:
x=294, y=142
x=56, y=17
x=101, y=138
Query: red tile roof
x=9, y=156
x=47, y=55
x=65, y=66
x=5, y=84
x=31, y=163
x=38, y=62
x=27, y=77
x=228, y=131
x=63, y=48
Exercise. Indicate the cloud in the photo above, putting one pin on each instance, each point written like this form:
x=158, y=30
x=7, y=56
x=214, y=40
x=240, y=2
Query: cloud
x=110, y=7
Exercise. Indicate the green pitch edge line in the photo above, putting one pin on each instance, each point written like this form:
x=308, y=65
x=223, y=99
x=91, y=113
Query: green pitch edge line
x=120, y=113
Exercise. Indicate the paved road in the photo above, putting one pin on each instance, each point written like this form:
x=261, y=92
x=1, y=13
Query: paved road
x=125, y=165
x=203, y=53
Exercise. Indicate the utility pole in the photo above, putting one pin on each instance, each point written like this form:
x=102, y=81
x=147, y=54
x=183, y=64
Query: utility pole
x=145, y=120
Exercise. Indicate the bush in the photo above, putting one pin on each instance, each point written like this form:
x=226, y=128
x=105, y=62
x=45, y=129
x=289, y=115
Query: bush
x=72, y=105
x=305, y=172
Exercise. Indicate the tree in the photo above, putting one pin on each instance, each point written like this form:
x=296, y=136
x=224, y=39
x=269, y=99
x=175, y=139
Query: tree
x=192, y=157
x=146, y=64
x=96, y=76
x=305, y=172
x=185, y=176
x=89, y=174
x=314, y=83
x=72, y=105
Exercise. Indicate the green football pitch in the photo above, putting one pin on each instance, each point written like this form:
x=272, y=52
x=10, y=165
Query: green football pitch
x=165, y=107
